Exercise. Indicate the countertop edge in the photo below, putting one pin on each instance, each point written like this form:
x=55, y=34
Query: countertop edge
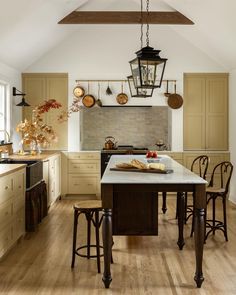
x=10, y=168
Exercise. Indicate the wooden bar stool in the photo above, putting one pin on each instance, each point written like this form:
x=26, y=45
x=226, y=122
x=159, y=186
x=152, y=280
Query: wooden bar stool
x=225, y=170
x=91, y=209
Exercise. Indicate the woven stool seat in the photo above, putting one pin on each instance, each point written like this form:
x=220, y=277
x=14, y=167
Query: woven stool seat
x=88, y=204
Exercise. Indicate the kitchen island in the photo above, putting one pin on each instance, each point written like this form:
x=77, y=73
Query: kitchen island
x=130, y=188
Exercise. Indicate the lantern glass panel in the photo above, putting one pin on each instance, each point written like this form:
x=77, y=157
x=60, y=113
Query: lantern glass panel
x=134, y=64
x=138, y=92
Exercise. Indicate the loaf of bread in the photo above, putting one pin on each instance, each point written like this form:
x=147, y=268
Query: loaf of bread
x=124, y=165
x=138, y=164
x=158, y=166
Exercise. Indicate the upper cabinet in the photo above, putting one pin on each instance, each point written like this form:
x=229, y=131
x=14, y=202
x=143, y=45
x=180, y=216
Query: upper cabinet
x=206, y=111
x=39, y=87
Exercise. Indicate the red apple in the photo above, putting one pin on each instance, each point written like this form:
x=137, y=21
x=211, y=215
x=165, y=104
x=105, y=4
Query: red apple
x=154, y=154
x=149, y=154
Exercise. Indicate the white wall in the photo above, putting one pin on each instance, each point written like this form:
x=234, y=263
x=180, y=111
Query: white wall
x=232, y=137
x=13, y=78
x=103, y=52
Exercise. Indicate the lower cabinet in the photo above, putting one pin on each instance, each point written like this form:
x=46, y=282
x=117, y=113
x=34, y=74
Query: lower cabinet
x=83, y=173
x=52, y=177
x=12, y=209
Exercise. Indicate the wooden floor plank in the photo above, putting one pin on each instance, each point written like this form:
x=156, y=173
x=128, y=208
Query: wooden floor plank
x=40, y=262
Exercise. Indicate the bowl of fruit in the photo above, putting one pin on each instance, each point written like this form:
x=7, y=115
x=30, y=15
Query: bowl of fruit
x=152, y=156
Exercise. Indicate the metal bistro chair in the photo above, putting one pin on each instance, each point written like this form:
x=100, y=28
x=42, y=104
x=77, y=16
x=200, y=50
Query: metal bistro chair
x=199, y=166
x=225, y=170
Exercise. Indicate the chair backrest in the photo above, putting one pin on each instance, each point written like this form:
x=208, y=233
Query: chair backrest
x=225, y=169
x=200, y=164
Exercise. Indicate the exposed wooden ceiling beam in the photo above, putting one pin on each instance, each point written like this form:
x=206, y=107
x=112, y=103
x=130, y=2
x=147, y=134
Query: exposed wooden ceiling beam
x=126, y=17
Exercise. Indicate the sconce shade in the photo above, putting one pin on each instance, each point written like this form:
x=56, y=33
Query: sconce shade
x=23, y=103
x=138, y=91
x=148, y=68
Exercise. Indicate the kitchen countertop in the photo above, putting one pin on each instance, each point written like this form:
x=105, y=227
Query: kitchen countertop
x=38, y=157
x=181, y=175
x=10, y=168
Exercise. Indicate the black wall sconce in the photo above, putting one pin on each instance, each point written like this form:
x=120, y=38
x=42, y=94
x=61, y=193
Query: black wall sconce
x=16, y=92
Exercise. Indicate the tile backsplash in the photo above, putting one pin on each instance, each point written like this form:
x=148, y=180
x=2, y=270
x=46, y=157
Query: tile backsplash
x=138, y=126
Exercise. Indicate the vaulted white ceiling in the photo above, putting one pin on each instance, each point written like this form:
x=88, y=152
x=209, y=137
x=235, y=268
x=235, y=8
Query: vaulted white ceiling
x=29, y=29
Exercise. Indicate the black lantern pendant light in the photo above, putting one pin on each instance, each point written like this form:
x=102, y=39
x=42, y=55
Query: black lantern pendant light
x=148, y=67
x=139, y=91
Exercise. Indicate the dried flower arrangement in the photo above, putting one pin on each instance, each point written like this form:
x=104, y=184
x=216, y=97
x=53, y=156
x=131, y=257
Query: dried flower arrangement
x=35, y=131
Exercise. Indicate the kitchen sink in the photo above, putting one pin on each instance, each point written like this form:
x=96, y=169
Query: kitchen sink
x=34, y=170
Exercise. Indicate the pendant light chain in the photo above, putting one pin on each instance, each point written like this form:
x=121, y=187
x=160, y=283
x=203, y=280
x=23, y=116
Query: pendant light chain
x=147, y=33
x=141, y=15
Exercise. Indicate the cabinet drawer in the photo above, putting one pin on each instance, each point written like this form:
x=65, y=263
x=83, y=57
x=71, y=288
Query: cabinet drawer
x=6, y=212
x=6, y=238
x=82, y=184
x=6, y=186
x=84, y=156
x=86, y=167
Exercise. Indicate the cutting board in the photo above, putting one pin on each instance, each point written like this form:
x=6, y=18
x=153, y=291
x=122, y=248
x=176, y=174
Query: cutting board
x=167, y=171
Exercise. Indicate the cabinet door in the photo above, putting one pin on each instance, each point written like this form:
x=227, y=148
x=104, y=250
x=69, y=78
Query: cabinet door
x=51, y=179
x=39, y=87
x=35, y=88
x=194, y=112
x=57, y=164
x=217, y=113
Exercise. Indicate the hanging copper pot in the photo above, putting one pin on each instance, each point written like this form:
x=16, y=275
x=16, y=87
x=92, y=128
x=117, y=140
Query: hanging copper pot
x=175, y=101
x=88, y=100
x=122, y=98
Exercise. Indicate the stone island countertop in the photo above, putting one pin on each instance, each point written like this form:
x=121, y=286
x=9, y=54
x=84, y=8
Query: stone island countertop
x=180, y=173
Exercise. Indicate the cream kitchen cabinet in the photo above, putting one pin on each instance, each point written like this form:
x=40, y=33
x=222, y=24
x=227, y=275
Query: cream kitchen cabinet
x=12, y=208
x=177, y=156
x=206, y=112
x=41, y=86
x=83, y=173
x=52, y=177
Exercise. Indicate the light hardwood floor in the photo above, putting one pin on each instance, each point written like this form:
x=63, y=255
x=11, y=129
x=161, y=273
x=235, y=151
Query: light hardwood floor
x=40, y=262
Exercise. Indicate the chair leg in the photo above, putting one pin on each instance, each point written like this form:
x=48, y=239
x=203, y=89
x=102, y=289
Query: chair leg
x=76, y=215
x=176, y=212
x=192, y=229
x=185, y=207
x=88, y=217
x=225, y=219
x=111, y=251
x=97, y=240
x=213, y=213
x=164, y=208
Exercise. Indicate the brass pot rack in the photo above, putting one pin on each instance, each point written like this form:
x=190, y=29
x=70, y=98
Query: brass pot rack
x=114, y=80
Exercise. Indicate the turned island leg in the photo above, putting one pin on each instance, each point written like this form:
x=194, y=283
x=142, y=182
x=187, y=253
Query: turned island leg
x=107, y=245
x=180, y=215
x=199, y=231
